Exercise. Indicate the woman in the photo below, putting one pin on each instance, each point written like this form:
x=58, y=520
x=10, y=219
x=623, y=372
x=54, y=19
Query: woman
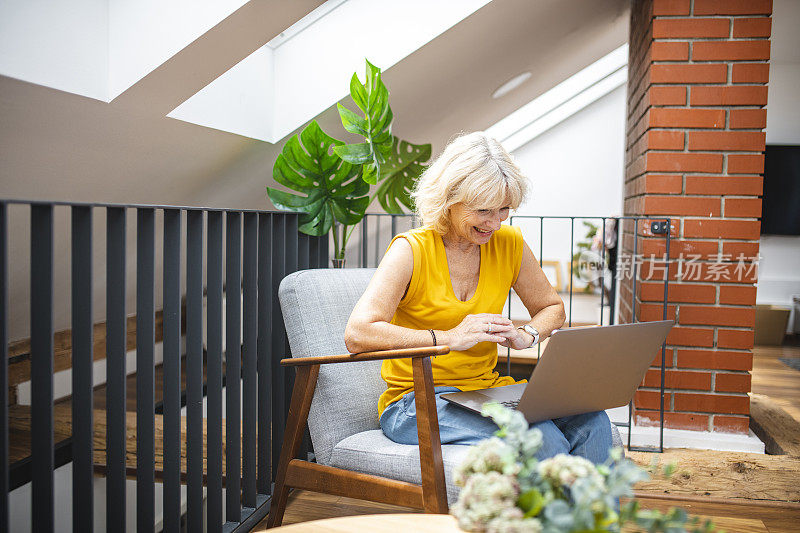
x=446, y=283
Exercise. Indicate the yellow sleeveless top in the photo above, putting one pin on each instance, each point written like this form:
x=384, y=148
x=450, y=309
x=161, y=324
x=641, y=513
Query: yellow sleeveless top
x=430, y=303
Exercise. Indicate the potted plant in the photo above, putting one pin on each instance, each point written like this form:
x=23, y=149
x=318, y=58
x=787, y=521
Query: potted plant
x=334, y=179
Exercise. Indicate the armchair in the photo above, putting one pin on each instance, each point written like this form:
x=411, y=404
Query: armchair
x=337, y=395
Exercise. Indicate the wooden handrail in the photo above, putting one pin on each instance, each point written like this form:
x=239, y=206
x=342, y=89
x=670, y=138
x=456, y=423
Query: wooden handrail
x=402, y=353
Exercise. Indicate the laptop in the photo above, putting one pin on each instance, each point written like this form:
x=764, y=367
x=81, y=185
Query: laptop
x=580, y=370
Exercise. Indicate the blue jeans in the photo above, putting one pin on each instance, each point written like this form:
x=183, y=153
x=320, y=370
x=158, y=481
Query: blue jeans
x=587, y=435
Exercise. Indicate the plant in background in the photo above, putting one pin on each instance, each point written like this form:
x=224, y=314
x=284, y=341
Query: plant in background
x=334, y=178
x=587, y=263
x=506, y=489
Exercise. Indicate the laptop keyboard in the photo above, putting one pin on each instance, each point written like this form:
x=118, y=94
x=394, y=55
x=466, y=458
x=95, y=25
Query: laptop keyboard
x=511, y=404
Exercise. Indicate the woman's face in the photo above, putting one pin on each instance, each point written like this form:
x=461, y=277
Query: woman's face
x=476, y=225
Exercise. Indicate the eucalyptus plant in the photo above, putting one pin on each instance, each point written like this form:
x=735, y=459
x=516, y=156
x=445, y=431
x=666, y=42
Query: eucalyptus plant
x=333, y=178
x=507, y=489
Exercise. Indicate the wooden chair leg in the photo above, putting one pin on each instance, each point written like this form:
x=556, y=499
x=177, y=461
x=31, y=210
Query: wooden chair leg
x=434, y=489
x=302, y=394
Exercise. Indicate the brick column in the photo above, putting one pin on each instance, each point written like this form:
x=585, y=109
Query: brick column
x=698, y=72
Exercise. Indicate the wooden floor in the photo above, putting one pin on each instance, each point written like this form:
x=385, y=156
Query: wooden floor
x=774, y=379
x=770, y=378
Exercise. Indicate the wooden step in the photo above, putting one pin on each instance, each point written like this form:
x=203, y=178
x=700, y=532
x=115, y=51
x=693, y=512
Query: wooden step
x=19, y=425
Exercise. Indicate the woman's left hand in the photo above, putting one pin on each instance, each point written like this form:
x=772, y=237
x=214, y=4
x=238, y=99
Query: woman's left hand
x=516, y=339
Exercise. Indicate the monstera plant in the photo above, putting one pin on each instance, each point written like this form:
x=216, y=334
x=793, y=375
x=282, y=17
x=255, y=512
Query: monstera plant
x=336, y=182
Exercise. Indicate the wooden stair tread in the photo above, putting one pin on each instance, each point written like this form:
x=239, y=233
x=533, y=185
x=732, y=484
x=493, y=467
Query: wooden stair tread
x=130, y=456
x=20, y=437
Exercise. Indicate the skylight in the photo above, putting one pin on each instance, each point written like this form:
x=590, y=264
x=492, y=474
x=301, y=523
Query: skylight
x=307, y=68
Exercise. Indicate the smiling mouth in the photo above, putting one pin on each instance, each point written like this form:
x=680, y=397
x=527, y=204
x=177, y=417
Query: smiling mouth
x=482, y=232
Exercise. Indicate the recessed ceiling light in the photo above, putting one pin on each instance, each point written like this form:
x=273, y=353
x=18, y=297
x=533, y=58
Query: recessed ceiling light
x=511, y=84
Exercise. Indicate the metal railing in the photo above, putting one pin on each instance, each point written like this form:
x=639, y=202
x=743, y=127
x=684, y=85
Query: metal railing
x=259, y=249
x=377, y=230
x=253, y=250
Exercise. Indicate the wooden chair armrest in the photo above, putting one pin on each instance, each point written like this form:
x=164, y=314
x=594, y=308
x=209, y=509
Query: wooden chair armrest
x=403, y=353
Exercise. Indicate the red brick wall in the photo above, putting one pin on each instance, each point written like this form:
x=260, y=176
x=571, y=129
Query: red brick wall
x=698, y=73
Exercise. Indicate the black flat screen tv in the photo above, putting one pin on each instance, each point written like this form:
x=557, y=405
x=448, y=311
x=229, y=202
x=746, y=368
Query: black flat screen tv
x=780, y=211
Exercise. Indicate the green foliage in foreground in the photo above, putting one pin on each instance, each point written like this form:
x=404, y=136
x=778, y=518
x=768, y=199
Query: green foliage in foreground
x=506, y=489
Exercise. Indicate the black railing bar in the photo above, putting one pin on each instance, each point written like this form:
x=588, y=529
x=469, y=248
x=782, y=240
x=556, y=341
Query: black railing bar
x=276, y=346
x=664, y=345
x=4, y=466
x=171, y=366
x=82, y=362
x=571, y=263
x=508, y=350
x=389, y=215
x=249, y=362
x=635, y=269
x=630, y=422
x=633, y=313
x=215, y=377
x=362, y=255
x=116, y=326
x=194, y=370
x=394, y=225
x=612, y=312
x=233, y=254
x=377, y=242
x=145, y=369
x=602, y=270
x=250, y=516
x=264, y=451
x=541, y=252
x=62, y=203
x=41, y=323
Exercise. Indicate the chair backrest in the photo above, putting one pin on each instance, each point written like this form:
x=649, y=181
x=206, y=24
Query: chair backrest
x=316, y=305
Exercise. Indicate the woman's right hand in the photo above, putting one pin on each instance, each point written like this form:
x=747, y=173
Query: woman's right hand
x=483, y=327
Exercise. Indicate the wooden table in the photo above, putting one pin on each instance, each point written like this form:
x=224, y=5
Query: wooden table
x=378, y=523
x=433, y=523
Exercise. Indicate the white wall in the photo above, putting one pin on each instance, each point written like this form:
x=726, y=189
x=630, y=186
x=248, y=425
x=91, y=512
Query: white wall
x=783, y=111
x=20, y=503
x=778, y=276
x=576, y=168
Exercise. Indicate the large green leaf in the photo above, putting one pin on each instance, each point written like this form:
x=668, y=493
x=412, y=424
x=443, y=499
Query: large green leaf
x=331, y=189
x=372, y=98
x=403, y=165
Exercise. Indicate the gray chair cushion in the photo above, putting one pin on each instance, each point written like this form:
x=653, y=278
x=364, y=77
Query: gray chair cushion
x=371, y=452
x=616, y=438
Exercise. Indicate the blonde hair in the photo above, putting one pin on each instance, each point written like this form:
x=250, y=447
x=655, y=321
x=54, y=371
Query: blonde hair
x=474, y=169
